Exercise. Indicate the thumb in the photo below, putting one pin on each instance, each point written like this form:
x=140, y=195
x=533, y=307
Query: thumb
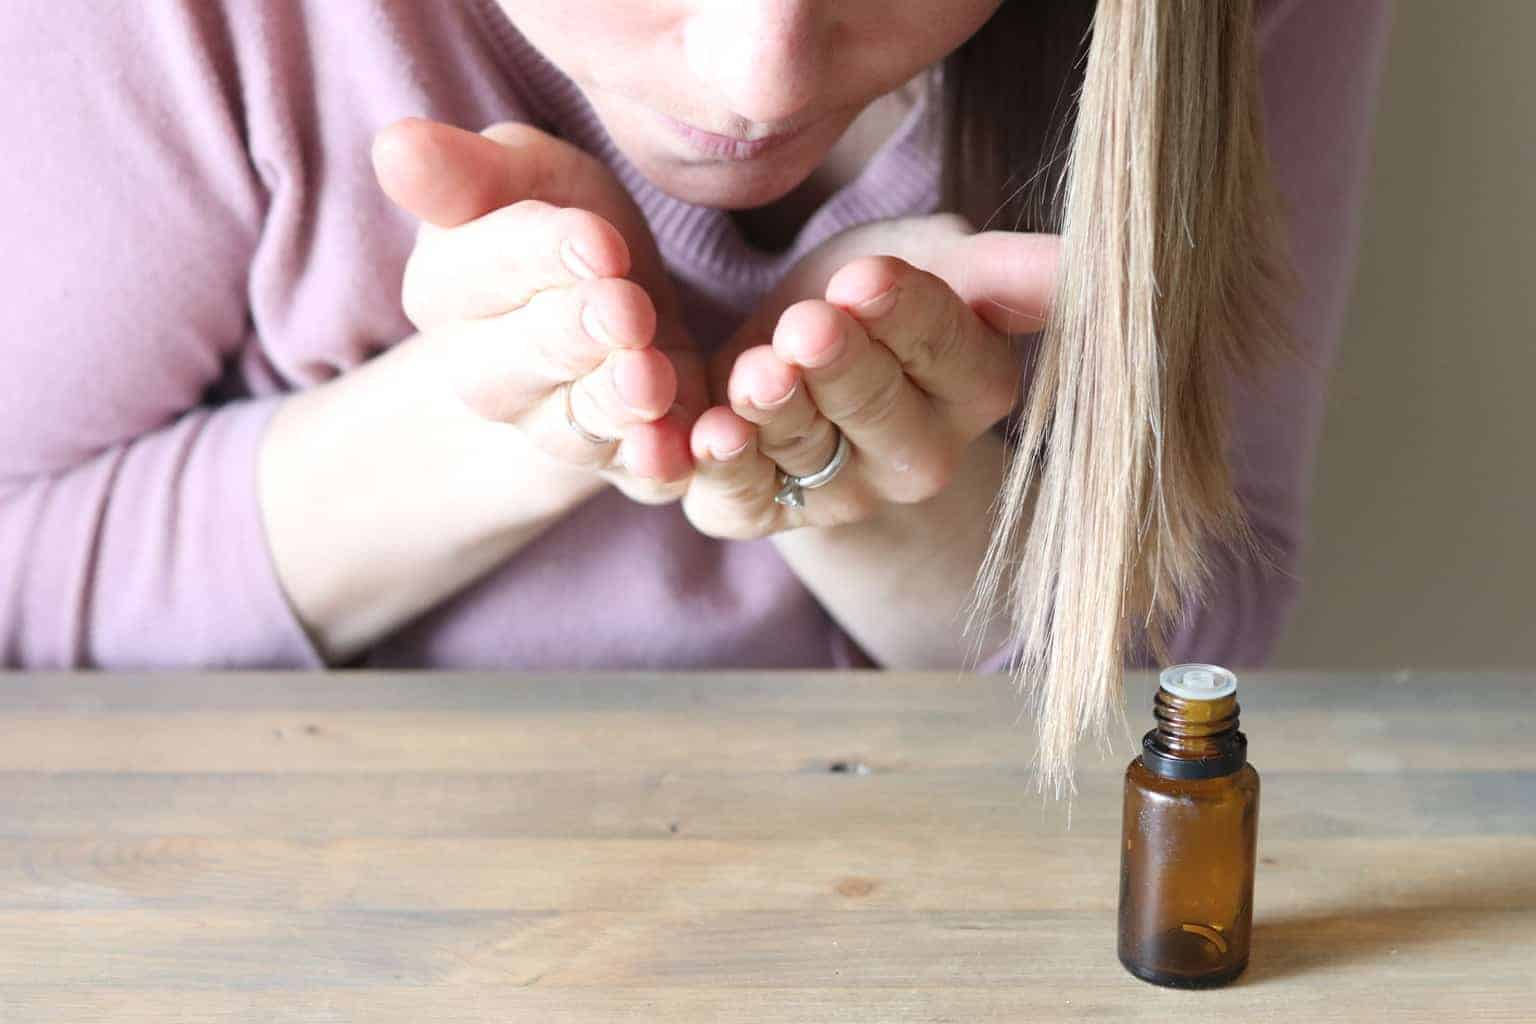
x=448, y=176
x=1007, y=277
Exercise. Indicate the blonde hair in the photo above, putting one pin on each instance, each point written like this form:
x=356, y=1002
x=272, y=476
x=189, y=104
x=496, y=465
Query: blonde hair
x=1119, y=490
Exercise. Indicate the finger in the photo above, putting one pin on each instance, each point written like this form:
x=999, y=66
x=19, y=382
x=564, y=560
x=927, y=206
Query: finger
x=766, y=391
x=653, y=464
x=649, y=463
x=1007, y=277
x=600, y=421
x=731, y=493
x=968, y=367
x=632, y=386
x=501, y=365
x=447, y=176
x=532, y=163
x=497, y=263
x=902, y=447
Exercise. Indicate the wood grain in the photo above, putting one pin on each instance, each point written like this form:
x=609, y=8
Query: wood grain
x=648, y=847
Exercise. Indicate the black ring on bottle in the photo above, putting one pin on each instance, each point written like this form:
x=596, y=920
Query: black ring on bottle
x=1161, y=763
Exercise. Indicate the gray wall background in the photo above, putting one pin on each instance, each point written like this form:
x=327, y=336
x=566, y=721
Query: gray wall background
x=1423, y=540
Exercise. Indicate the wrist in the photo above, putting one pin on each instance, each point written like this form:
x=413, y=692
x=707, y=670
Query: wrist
x=900, y=582
x=382, y=494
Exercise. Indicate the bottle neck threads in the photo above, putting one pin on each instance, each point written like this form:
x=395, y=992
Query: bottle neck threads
x=1194, y=739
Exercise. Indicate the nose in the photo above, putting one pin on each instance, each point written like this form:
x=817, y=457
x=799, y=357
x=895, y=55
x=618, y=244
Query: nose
x=762, y=59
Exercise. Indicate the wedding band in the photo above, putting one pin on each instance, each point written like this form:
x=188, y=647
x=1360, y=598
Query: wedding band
x=791, y=488
x=570, y=419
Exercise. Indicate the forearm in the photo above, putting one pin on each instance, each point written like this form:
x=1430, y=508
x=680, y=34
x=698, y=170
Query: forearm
x=901, y=582
x=383, y=495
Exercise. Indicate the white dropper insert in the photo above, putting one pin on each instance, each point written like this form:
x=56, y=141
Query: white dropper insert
x=1198, y=682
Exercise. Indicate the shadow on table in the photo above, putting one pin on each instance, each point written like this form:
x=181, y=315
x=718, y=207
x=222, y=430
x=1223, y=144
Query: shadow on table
x=1467, y=908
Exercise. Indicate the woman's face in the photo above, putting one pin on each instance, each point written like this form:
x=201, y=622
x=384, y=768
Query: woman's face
x=693, y=91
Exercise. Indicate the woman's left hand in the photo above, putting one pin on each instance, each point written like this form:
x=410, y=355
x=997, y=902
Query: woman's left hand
x=899, y=335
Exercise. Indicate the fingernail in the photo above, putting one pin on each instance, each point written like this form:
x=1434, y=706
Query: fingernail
x=731, y=455
x=573, y=261
x=879, y=305
x=778, y=403
x=593, y=325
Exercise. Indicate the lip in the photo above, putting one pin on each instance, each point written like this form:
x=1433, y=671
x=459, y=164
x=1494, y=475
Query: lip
x=725, y=147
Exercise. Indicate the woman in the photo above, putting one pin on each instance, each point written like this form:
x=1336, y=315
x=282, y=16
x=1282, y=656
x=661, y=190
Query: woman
x=225, y=442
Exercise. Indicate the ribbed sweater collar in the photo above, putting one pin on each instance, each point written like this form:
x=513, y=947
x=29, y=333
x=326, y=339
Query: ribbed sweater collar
x=901, y=179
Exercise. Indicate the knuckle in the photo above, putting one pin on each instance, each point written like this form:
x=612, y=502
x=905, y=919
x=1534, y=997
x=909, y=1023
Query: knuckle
x=919, y=489
x=940, y=332
x=927, y=478
x=872, y=407
x=803, y=447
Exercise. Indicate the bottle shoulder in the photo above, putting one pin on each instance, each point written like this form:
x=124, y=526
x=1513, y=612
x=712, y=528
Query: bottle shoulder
x=1239, y=783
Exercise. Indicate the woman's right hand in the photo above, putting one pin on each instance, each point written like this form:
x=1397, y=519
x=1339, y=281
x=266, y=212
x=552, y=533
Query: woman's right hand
x=533, y=273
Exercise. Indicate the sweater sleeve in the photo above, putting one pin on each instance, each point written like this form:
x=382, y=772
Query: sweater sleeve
x=1321, y=65
x=130, y=531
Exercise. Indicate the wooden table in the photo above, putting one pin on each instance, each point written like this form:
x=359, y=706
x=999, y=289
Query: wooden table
x=735, y=848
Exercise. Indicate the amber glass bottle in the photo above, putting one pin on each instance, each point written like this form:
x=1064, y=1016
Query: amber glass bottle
x=1189, y=836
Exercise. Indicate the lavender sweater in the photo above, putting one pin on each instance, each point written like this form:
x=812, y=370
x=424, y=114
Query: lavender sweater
x=193, y=231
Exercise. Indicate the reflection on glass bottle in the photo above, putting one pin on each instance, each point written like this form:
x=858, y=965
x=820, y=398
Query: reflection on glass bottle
x=1190, y=836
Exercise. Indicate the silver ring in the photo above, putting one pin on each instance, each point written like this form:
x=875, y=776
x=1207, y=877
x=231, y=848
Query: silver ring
x=570, y=419
x=791, y=489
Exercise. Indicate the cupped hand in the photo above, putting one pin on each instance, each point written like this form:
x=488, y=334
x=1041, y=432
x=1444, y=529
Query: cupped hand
x=538, y=281
x=902, y=335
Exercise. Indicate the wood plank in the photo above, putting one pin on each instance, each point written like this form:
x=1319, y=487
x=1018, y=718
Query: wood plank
x=1363, y=740
x=932, y=806
x=1058, y=872
x=1371, y=741
x=98, y=693
x=1112, y=1000
x=727, y=949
